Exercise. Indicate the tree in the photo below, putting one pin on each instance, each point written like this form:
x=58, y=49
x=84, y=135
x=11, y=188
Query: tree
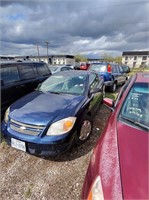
x=107, y=57
x=80, y=58
x=118, y=59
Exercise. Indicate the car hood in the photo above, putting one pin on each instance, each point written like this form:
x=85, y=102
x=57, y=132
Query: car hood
x=134, y=160
x=40, y=108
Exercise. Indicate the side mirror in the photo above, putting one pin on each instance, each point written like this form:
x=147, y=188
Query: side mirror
x=109, y=103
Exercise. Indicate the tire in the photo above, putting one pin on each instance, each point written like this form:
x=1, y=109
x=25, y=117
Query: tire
x=113, y=87
x=85, y=129
x=103, y=91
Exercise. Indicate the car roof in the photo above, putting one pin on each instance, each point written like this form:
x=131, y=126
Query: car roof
x=19, y=61
x=142, y=77
x=101, y=63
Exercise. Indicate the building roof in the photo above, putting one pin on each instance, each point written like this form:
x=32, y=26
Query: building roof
x=45, y=56
x=135, y=53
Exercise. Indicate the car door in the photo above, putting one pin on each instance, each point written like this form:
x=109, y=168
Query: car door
x=122, y=75
x=42, y=71
x=96, y=97
x=115, y=73
x=27, y=74
x=10, y=85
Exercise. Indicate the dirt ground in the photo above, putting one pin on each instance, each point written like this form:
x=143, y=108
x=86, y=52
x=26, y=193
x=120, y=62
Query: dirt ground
x=23, y=176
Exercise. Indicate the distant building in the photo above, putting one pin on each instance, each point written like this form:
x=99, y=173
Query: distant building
x=52, y=59
x=4, y=58
x=96, y=60
x=136, y=58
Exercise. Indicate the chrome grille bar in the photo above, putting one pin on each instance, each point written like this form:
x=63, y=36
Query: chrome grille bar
x=26, y=128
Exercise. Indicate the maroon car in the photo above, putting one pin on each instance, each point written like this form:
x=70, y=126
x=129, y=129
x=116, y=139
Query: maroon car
x=119, y=165
x=84, y=66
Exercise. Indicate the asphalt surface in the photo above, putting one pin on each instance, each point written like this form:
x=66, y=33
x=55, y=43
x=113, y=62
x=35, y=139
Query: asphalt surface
x=23, y=176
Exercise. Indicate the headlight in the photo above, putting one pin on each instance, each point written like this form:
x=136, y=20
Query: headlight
x=62, y=126
x=96, y=191
x=6, y=117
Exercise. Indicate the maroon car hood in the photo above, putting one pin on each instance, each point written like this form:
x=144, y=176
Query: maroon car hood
x=134, y=160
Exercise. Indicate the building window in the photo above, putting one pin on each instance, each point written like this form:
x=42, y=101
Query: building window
x=144, y=58
x=135, y=57
x=143, y=64
x=126, y=58
x=126, y=63
x=134, y=64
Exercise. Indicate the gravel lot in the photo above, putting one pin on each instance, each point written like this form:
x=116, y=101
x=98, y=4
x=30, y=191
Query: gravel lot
x=23, y=176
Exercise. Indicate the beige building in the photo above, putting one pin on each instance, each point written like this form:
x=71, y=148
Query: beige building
x=136, y=58
x=52, y=59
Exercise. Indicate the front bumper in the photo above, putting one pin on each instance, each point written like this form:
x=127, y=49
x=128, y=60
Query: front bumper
x=40, y=146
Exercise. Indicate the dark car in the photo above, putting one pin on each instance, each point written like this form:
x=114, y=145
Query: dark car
x=112, y=74
x=119, y=166
x=58, y=114
x=20, y=78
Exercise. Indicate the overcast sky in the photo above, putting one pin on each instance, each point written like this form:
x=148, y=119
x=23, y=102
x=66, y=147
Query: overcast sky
x=88, y=27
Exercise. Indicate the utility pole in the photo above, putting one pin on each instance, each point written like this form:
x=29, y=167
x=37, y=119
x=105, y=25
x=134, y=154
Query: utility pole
x=38, y=51
x=47, y=43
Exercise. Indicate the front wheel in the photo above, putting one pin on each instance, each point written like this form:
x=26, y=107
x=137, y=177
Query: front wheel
x=85, y=130
x=113, y=87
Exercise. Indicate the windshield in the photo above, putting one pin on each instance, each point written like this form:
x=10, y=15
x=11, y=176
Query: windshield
x=98, y=67
x=72, y=84
x=136, y=106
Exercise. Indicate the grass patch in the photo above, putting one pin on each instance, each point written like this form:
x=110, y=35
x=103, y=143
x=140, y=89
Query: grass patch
x=111, y=95
x=136, y=70
x=28, y=192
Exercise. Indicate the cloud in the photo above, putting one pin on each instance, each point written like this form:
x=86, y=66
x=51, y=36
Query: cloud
x=73, y=26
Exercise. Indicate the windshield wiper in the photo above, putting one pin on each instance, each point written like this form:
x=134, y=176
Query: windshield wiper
x=54, y=92
x=135, y=122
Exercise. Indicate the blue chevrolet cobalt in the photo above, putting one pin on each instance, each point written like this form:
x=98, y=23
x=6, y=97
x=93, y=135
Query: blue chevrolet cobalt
x=58, y=114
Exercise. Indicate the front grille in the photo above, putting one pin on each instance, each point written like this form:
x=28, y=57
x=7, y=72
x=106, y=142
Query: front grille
x=26, y=128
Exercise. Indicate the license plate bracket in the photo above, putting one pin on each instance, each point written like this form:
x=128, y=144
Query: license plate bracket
x=18, y=144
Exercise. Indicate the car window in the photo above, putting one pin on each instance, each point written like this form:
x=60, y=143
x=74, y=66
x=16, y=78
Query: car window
x=9, y=74
x=98, y=67
x=27, y=71
x=121, y=69
x=114, y=69
x=123, y=89
x=42, y=69
x=65, y=68
x=93, y=80
x=136, y=106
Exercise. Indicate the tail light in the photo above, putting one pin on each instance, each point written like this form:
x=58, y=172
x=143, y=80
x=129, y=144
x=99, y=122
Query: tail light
x=109, y=69
x=83, y=67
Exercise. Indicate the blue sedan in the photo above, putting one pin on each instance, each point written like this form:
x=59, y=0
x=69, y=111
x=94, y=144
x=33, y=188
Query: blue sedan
x=59, y=113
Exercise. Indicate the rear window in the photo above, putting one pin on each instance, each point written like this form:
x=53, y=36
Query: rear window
x=9, y=74
x=136, y=107
x=27, y=71
x=42, y=69
x=98, y=67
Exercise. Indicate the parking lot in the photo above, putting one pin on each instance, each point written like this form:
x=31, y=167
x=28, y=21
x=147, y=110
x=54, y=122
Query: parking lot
x=24, y=176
